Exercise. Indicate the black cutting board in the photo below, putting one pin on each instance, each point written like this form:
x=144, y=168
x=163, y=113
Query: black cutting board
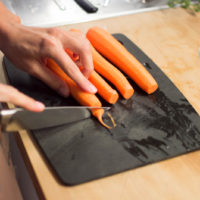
x=150, y=128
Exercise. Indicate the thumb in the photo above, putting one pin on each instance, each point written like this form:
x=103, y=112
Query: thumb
x=10, y=94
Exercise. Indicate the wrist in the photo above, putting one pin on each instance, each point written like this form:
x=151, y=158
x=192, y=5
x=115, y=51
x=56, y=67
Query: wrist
x=4, y=33
x=7, y=21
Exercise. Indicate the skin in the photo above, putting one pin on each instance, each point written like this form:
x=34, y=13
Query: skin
x=28, y=48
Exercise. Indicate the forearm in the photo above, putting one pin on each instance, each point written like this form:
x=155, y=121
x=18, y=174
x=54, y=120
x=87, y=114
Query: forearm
x=7, y=20
x=6, y=15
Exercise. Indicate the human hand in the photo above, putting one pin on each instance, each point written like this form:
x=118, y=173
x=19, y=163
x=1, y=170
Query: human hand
x=12, y=95
x=28, y=47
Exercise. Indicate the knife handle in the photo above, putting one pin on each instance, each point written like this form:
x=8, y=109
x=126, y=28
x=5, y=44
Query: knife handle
x=87, y=6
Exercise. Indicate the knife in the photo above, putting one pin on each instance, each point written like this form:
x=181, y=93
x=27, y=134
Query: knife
x=20, y=119
x=87, y=6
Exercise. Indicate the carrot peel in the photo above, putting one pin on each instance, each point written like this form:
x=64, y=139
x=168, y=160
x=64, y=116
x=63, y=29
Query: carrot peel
x=98, y=113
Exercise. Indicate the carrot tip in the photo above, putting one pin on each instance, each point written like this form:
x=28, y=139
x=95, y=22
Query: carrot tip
x=112, y=120
x=104, y=124
x=128, y=93
x=152, y=89
x=113, y=99
x=98, y=113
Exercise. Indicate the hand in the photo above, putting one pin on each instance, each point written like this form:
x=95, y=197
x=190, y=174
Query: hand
x=27, y=48
x=12, y=95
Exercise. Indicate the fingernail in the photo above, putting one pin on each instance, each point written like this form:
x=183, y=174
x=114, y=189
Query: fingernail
x=64, y=91
x=39, y=105
x=92, y=88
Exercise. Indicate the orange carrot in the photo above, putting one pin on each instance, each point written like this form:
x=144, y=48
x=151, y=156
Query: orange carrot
x=111, y=73
x=84, y=98
x=113, y=50
x=104, y=89
x=103, y=67
x=72, y=55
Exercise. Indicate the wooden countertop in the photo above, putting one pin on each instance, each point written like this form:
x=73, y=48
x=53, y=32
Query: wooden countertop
x=171, y=38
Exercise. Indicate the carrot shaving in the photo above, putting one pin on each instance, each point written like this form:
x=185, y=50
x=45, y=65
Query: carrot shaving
x=112, y=120
x=98, y=113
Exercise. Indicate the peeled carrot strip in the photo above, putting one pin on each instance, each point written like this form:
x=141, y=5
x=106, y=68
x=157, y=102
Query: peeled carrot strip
x=104, y=89
x=103, y=67
x=99, y=113
x=84, y=98
x=113, y=50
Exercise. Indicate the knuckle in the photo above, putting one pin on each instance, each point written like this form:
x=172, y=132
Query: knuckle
x=48, y=45
x=54, y=31
x=85, y=47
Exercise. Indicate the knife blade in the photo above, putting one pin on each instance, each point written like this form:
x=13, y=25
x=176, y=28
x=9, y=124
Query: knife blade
x=20, y=119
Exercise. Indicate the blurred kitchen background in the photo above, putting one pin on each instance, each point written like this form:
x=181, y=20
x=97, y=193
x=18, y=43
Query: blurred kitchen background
x=49, y=13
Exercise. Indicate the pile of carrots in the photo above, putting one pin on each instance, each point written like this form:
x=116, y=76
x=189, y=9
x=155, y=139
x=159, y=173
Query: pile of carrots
x=110, y=48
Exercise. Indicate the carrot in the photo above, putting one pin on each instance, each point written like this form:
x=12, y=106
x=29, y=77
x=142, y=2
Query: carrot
x=113, y=50
x=103, y=67
x=111, y=73
x=84, y=98
x=104, y=89
x=72, y=55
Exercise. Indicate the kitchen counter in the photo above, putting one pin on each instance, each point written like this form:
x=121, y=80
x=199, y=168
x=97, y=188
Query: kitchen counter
x=171, y=38
x=45, y=13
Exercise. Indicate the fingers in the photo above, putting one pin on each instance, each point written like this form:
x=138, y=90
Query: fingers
x=51, y=79
x=86, y=61
x=79, y=45
x=11, y=95
x=63, y=60
x=85, y=55
x=37, y=44
x=83, y=49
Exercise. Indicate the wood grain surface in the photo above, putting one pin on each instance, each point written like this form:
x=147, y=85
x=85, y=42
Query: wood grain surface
x=171, y=38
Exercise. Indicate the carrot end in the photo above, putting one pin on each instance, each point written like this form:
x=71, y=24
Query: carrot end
x=98, y=113
x=113, y=99
x=152, y=89
x=128, y=93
